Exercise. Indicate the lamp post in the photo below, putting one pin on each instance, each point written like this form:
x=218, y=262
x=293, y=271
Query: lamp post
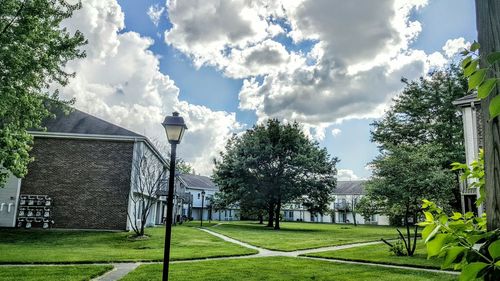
x=202, y=201
x=174, y=127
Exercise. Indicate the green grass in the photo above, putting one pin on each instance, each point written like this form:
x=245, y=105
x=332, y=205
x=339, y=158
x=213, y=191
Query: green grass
x=197, y=223
x=279, y=269
x=298, y=236
x=380, y=254
x=60, y=273
x=57, y=246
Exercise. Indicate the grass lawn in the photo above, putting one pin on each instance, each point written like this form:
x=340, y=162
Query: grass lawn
x=60, y=273
x=278, y=269
x=380, y=254
x=298, y=236
x=58, y=246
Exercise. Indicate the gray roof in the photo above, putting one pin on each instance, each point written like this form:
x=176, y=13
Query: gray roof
x=466, y=101
x=79, y=122
x=195, y=181
x=349, y=188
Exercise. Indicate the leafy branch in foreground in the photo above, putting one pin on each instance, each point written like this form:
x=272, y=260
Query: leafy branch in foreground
x=477, y=76
x=463, y=241
x=475, y=173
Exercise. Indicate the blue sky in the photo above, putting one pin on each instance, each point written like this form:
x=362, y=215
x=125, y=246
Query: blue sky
x=210, y=85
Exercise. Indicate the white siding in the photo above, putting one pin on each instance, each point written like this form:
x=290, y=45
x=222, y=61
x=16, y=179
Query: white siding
x=9, y=196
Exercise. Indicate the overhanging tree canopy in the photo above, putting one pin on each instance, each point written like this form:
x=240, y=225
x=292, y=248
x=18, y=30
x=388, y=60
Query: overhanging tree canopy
x=33, y=51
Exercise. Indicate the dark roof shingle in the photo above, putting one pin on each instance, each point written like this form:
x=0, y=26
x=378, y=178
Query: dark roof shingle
x=79, y=122
x=198, y=181
x=349, y=188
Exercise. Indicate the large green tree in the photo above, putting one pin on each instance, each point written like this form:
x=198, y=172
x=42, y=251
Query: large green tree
x=275, y=164
x=403, y=176
x=34, y=49
x=424, y=114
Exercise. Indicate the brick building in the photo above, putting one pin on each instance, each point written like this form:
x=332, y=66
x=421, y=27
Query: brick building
x=83, y=177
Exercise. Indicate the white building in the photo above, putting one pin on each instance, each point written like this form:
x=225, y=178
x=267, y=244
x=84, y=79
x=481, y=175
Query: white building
x=347, y=194
x=201, y=190
x=470, y=107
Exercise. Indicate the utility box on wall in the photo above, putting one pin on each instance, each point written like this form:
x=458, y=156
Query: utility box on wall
x=9, y=196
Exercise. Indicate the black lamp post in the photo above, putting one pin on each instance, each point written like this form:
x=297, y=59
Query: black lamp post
x=174, y=127
x=202, y=201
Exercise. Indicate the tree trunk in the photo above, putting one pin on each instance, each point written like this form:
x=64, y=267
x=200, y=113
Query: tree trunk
x=354, y=212
x=488, y=28
x=277, y=215
x=270, y=221
x=261, y=219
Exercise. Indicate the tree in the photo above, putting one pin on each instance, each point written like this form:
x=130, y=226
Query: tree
x=488, y=27
x=274, y=164
x=424, y=114
x=147, y=175
x=33, y=52
x=403, y=176
x=368, y=207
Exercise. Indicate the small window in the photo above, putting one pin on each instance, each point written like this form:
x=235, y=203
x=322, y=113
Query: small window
x=198, y=195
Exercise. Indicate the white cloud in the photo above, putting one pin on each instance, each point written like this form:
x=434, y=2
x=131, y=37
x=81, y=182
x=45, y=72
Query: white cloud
x=155, y=12
x=120, y=81
x=346, y=175
x=360, y=51
x=454, y=46
x=336, y=132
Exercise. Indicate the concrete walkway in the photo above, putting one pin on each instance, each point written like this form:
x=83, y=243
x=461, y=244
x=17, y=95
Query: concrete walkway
x=121, y=269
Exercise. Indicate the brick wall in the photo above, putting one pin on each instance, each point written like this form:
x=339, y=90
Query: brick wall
x=88, y=181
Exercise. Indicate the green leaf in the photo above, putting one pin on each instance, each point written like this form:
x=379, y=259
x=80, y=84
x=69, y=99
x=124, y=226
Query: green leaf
x=495, y=107
x=486, y=87
x=475, y=46
x=470, y=271
x=435, y=245
x=476, y=78
x=451, y=256
x=427, y=231
x=497, y=264
x=456, y=215
x=493, y=57
x=432, y=234
x=466, y=62
x=471, y=68
x=494, y=249
x=429, y=216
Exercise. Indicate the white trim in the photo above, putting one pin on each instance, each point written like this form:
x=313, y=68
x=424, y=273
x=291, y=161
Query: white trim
x=16, y=202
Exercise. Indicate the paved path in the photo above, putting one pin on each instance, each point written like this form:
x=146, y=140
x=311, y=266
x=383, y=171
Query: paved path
x=121, y=269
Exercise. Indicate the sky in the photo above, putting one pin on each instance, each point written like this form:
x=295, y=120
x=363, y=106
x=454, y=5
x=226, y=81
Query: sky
x=332, y=65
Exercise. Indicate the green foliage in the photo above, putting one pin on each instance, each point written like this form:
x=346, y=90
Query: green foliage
x=463, y=241
x=474, y=173
x=424, y=114
x=274, y=164
x=33, y=52
x=398, y=248
x=402, y=177
x=477, y=76
x=405, y=175
x=367, y=207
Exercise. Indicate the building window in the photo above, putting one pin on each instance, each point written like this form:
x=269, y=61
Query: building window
x=198, y=195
